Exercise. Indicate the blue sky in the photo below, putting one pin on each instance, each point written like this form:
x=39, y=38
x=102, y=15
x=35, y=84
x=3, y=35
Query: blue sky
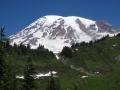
x=18, y=14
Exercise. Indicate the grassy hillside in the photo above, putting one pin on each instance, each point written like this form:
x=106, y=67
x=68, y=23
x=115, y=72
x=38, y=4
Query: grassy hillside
x=106, y=82
x=42, y=64
x=88, y=59
x=97, y=57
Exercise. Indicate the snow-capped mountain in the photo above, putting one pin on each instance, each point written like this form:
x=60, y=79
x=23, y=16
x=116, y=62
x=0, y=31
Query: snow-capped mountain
x=55, y=32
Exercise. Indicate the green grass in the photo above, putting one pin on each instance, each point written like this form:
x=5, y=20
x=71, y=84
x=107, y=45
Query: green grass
x=107, y=82
x=97, y=57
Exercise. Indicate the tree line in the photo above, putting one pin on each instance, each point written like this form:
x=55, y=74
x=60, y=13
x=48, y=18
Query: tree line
x=8, y=80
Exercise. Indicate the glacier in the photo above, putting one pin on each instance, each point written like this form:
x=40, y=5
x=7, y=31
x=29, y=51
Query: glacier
x=55, y=32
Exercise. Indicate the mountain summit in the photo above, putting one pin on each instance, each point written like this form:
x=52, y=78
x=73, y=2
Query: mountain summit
x=55, y=32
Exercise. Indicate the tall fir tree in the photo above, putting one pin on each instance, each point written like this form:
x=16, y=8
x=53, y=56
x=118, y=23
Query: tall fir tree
x=67, y=52
x=6, y=74
x=75, y=87
x=2, y=33
x=53, y=84
x=29, y=81
x=2, y=62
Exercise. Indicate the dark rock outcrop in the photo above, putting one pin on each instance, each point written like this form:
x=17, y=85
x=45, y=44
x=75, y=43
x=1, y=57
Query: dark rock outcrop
x=105, y=26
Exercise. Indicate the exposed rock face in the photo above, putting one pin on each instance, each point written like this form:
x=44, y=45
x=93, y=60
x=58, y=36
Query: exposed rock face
x=33, y=41
x=92, y=27
x=118, y=29
x=57, y=28
x=44, y=34
x=55, y=32
x=105, y=26
x=117, y=57
x=81, y=25
x=70, y=33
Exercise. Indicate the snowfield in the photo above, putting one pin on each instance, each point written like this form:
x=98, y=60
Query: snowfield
x=55, y=32
x=37, y=76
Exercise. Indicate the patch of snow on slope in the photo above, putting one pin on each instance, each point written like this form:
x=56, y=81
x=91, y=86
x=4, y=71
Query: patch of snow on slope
x=19, y=40
x=57, y=56
x=53, y=45
x=105, y=34
x=37, y=76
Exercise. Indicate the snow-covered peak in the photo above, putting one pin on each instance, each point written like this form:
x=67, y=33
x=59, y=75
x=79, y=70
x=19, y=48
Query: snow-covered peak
x=55, y=32
x=54, y=17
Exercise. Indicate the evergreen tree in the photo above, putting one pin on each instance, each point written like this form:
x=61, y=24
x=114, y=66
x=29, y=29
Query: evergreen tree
x=29, y=81
x=67, y=52
x=40, y=47
x=6, y=75
x=82, y=43
x=9, y=78
x=75, y=87
x=52, y=84
x=23, y=49
x=91, y=42
x=58, y=84
x=2, y=62
x=2, y=68
x=73, y=46
x=76, y=45
x=28, y=46
x=15, y=49
x=118, y=35
x=2, y=34
x=14, y=83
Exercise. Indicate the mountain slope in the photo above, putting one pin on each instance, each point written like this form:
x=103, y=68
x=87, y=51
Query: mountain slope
x=55, y=32
x=103, y=56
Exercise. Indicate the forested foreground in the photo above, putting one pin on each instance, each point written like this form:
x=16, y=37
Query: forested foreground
x=21, y=60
